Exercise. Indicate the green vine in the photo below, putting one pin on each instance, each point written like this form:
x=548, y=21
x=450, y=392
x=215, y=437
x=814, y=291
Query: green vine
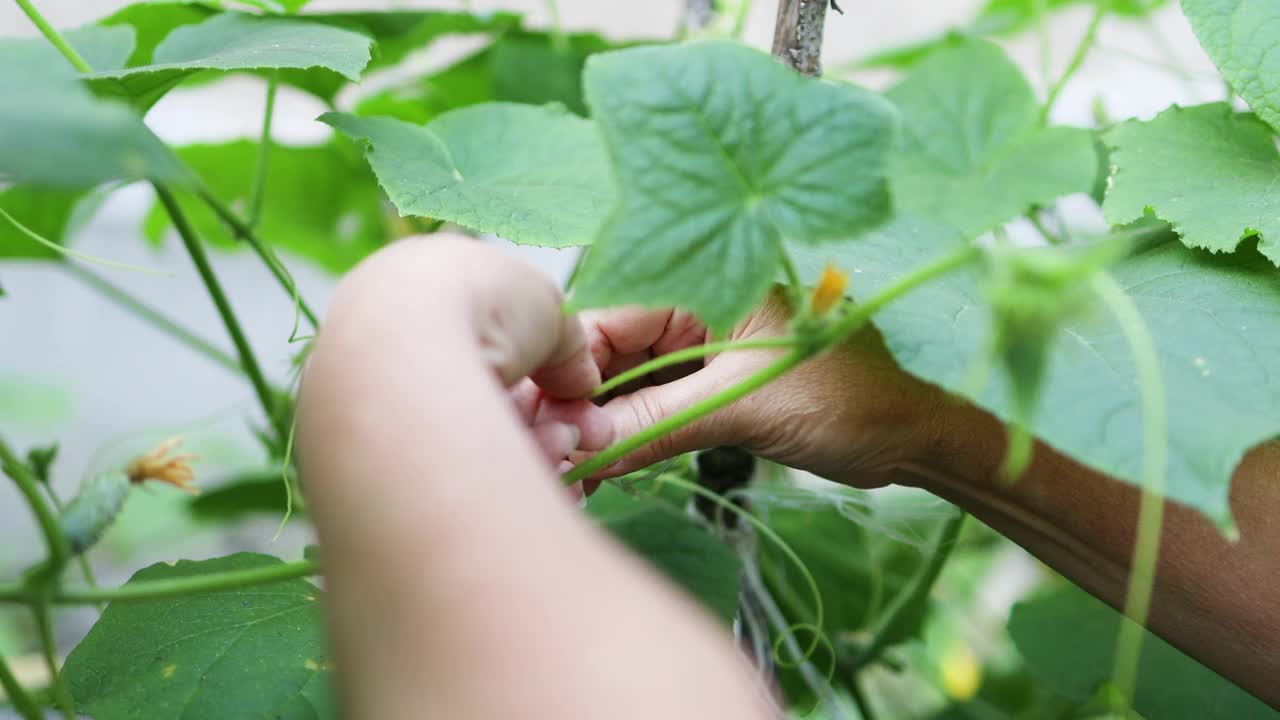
x=144, y=590
x=1154, y=458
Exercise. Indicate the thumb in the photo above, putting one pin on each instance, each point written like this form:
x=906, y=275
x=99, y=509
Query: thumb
x=643, y=408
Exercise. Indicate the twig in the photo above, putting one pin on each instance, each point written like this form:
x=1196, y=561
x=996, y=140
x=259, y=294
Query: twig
x=797, y=35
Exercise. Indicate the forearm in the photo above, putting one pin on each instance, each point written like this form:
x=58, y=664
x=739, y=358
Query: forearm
x=463, y=583
x=1213, y=598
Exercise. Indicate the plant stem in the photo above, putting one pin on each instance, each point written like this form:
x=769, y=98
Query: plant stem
x=264, y=156
x=44, y=625
x=154, y=317
x=1077, y=59
x=17, y=694
x=860, y=700
x=687, y=354
x=56, y=542
x=898, y=614
x=558, y=39
x=81, y=559
x=740, y=19
x=54, y=37
x=160, y=589
x=674, y=422
x=1146, y=550
x=242, y=231
x=201, y=260
x=68, y=252
x=1050, y=237
x=837, y=332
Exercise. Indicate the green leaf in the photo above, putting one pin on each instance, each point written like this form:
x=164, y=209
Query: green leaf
x=252, y=652
x=421, y=99
x=683, y=550
x=1001, y=18
x=1215, y=322
x=281, y=6
x=248, y=495
x=1207, y=170
x=233, y=42
x=1068, y=639
x=46, y=212
x=524, y=67
x=722, y=153
x=399, y=33
x=533, y=175
x=539, y=68
x=320, y=202
x=395, y=35
x=62, y=136
x=36, y=404
x=972, y=152
x=1243, y=39
x=151, y=23
x=1005, y=17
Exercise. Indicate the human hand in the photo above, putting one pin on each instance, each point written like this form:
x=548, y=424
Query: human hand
x=452, y=554
x=850, y=415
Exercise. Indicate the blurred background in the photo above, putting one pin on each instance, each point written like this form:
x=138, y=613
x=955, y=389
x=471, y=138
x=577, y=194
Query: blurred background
x=105, y=385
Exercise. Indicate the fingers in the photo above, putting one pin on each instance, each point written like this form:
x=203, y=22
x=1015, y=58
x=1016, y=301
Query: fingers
x=621, y=338
x=570, y=371
x=636, y=411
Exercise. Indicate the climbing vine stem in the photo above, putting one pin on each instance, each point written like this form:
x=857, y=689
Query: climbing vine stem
x=44, y=625
x=54, y=37
x=1146, y=362
x=174, y=587
x=248, y=360
x=153, y=317
x=258, y=192
x=1077, y=59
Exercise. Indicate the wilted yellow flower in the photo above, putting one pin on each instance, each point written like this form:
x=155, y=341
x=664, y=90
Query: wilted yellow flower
x=158, y=465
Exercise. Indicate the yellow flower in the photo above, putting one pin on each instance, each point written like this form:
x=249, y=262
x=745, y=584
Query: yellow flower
x=961, y=672
x=829, y=290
